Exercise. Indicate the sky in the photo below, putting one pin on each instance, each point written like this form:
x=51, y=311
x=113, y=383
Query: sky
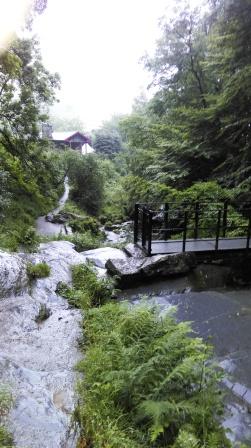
x=95, y=46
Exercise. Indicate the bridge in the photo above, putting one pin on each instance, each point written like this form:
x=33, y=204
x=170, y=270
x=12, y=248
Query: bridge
x=199, y=227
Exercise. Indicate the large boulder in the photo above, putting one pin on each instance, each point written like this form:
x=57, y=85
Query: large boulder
x=100, y=256
x=13, y=276
x=132, y=250
x=136, y=269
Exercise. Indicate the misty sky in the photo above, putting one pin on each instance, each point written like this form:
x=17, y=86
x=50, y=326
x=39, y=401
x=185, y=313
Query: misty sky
x=96, y=45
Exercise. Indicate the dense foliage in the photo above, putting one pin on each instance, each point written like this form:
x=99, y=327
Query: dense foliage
x=31, y=173
x=196, y=127
x=107, y=141
x=146, y=382
x=86, y=181
x=6, y=440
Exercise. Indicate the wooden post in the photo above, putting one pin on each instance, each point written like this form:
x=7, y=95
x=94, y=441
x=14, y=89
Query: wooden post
x=150, y=227
x=185, y=232
x=218, y=230
x=144, y=226
x=166, y=208
x=248, y=232
x=224, y=220
x=136, y=223
x=196, y=220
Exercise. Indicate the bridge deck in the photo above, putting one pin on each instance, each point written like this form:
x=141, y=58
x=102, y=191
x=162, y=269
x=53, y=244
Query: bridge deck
x=199, y=245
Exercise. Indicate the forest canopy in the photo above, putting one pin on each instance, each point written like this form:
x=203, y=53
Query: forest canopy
x=197, y=125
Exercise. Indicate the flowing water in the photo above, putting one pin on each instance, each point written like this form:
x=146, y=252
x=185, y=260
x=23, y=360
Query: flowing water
x=223, y=318
x=37, y=359
x=46, y=228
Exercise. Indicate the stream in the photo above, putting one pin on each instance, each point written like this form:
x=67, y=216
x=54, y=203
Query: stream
x=37, y=359
x=223, y=318
x=46, y=228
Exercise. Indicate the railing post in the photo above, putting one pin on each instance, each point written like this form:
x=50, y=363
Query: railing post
x=136, y=223
x=150, y=227
x=196, y=219
x=166, y=209
x=248, y=232
x=144, y=226
x=224, y=219
x=185, y=232
x=218, y=230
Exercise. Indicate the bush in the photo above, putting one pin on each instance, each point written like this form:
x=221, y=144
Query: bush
x=39, y=270
x=87, y=290
x=86, y=181
x=29, y=239
x=43, y=314
x=83, y=241
x=146, y=382
x=83, y=225
x=6, y=439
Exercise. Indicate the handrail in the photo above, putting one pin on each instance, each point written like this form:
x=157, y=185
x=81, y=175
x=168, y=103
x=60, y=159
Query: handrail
x=188, y=219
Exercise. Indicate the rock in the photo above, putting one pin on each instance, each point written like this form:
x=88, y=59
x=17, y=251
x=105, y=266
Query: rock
x=37, y=361
x=58, y=218
x=13, y=276
x=135, y=269
x=100, y=256
x=132, y=250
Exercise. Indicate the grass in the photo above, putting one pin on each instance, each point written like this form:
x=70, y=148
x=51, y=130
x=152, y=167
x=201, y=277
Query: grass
x=39, y=270
x=146, y=381
x=82, y=241
x=87, y=290
x=6, y=440
x=43, y=314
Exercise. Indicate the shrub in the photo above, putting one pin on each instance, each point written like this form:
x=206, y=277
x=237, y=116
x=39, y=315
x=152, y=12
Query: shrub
x=87, y=289
x=83, y=241
x=83, y=225
x=29, y=239
x=146, y=382
x=86, y=181
x=39, y=270
x=43, y=314
x=6, y=439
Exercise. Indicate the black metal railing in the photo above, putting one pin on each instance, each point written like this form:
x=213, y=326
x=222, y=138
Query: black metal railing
x=172, y=222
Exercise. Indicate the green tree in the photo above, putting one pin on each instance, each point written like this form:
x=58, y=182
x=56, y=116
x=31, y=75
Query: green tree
x=107, y=141
x=25, y=87
x=87, y=181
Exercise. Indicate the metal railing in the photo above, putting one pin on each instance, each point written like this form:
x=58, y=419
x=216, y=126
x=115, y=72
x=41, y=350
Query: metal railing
x=172, y=222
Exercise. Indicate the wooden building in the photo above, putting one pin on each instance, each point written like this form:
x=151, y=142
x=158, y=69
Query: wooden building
x=74, y=140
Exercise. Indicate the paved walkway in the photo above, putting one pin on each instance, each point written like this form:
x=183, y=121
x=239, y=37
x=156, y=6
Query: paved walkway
x=199, y=245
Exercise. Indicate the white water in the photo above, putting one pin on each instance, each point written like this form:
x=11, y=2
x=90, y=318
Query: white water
x=37, y=360
x=46, y=228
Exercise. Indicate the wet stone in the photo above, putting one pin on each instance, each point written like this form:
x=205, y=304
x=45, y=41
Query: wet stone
x=100, y=256
x=247, y=397
x=37, y=361
x=135, y=269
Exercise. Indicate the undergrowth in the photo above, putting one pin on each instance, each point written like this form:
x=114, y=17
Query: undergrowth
x=87, y=290
x=6, y=440
x=146, y=381
x=39, y=270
